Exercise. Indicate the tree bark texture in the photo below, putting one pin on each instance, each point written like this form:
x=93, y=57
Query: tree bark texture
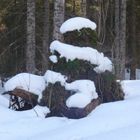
x=84, y=8
x=132, y=40
x=30, y=48
x=45, y=53
x=100, y=12
x=59, y=14
x=120, y=38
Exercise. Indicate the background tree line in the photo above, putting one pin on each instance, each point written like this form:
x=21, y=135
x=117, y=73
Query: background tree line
x=28, y=26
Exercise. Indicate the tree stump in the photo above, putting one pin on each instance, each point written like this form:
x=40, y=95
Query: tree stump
x=21, y=99
x=55, y=97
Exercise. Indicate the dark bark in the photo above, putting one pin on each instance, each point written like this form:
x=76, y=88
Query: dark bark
x=132, y=39
x=45, y=53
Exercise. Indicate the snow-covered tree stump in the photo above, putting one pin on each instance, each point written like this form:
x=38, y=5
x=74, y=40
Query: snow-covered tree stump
x=80, y=63
x=85, y=81
x=55, y=97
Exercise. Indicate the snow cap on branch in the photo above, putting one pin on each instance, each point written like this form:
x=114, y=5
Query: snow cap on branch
x=77, y=23
x=71, y=52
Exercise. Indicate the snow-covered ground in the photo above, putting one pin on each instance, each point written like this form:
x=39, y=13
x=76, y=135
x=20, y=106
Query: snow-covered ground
x=111, y=121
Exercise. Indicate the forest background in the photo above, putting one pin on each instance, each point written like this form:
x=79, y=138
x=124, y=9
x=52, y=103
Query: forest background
x=27, y=27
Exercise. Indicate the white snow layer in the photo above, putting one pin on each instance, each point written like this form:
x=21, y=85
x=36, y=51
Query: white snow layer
x=77, y=23
x=85, y=92
x=53, y=77
x=79, y=100
x=29, y=82
x=71, y=52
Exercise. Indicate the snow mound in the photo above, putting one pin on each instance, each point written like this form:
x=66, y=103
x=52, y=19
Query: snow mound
x=53, y=77
x=41, y=111
x=131, y=88
x=77, y=23
x=79, y=100
x=4, y=101
x=71, y=52
x=115, y=120
x=29, y=82
x=85, y=92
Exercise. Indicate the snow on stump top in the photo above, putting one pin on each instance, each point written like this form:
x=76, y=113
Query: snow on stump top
x=77, y=23
x=28, y=82
x=71, y=52
x=53, y=77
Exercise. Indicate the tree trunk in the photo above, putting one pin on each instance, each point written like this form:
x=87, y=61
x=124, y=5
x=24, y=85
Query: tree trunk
x=84, y=8
x=132, y=38
x=120, y=38
x=45, y=53
x=102, y=13
x=59, y=14
x=30, y=49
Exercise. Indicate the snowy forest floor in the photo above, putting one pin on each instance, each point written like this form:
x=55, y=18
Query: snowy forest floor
x=111, y=121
